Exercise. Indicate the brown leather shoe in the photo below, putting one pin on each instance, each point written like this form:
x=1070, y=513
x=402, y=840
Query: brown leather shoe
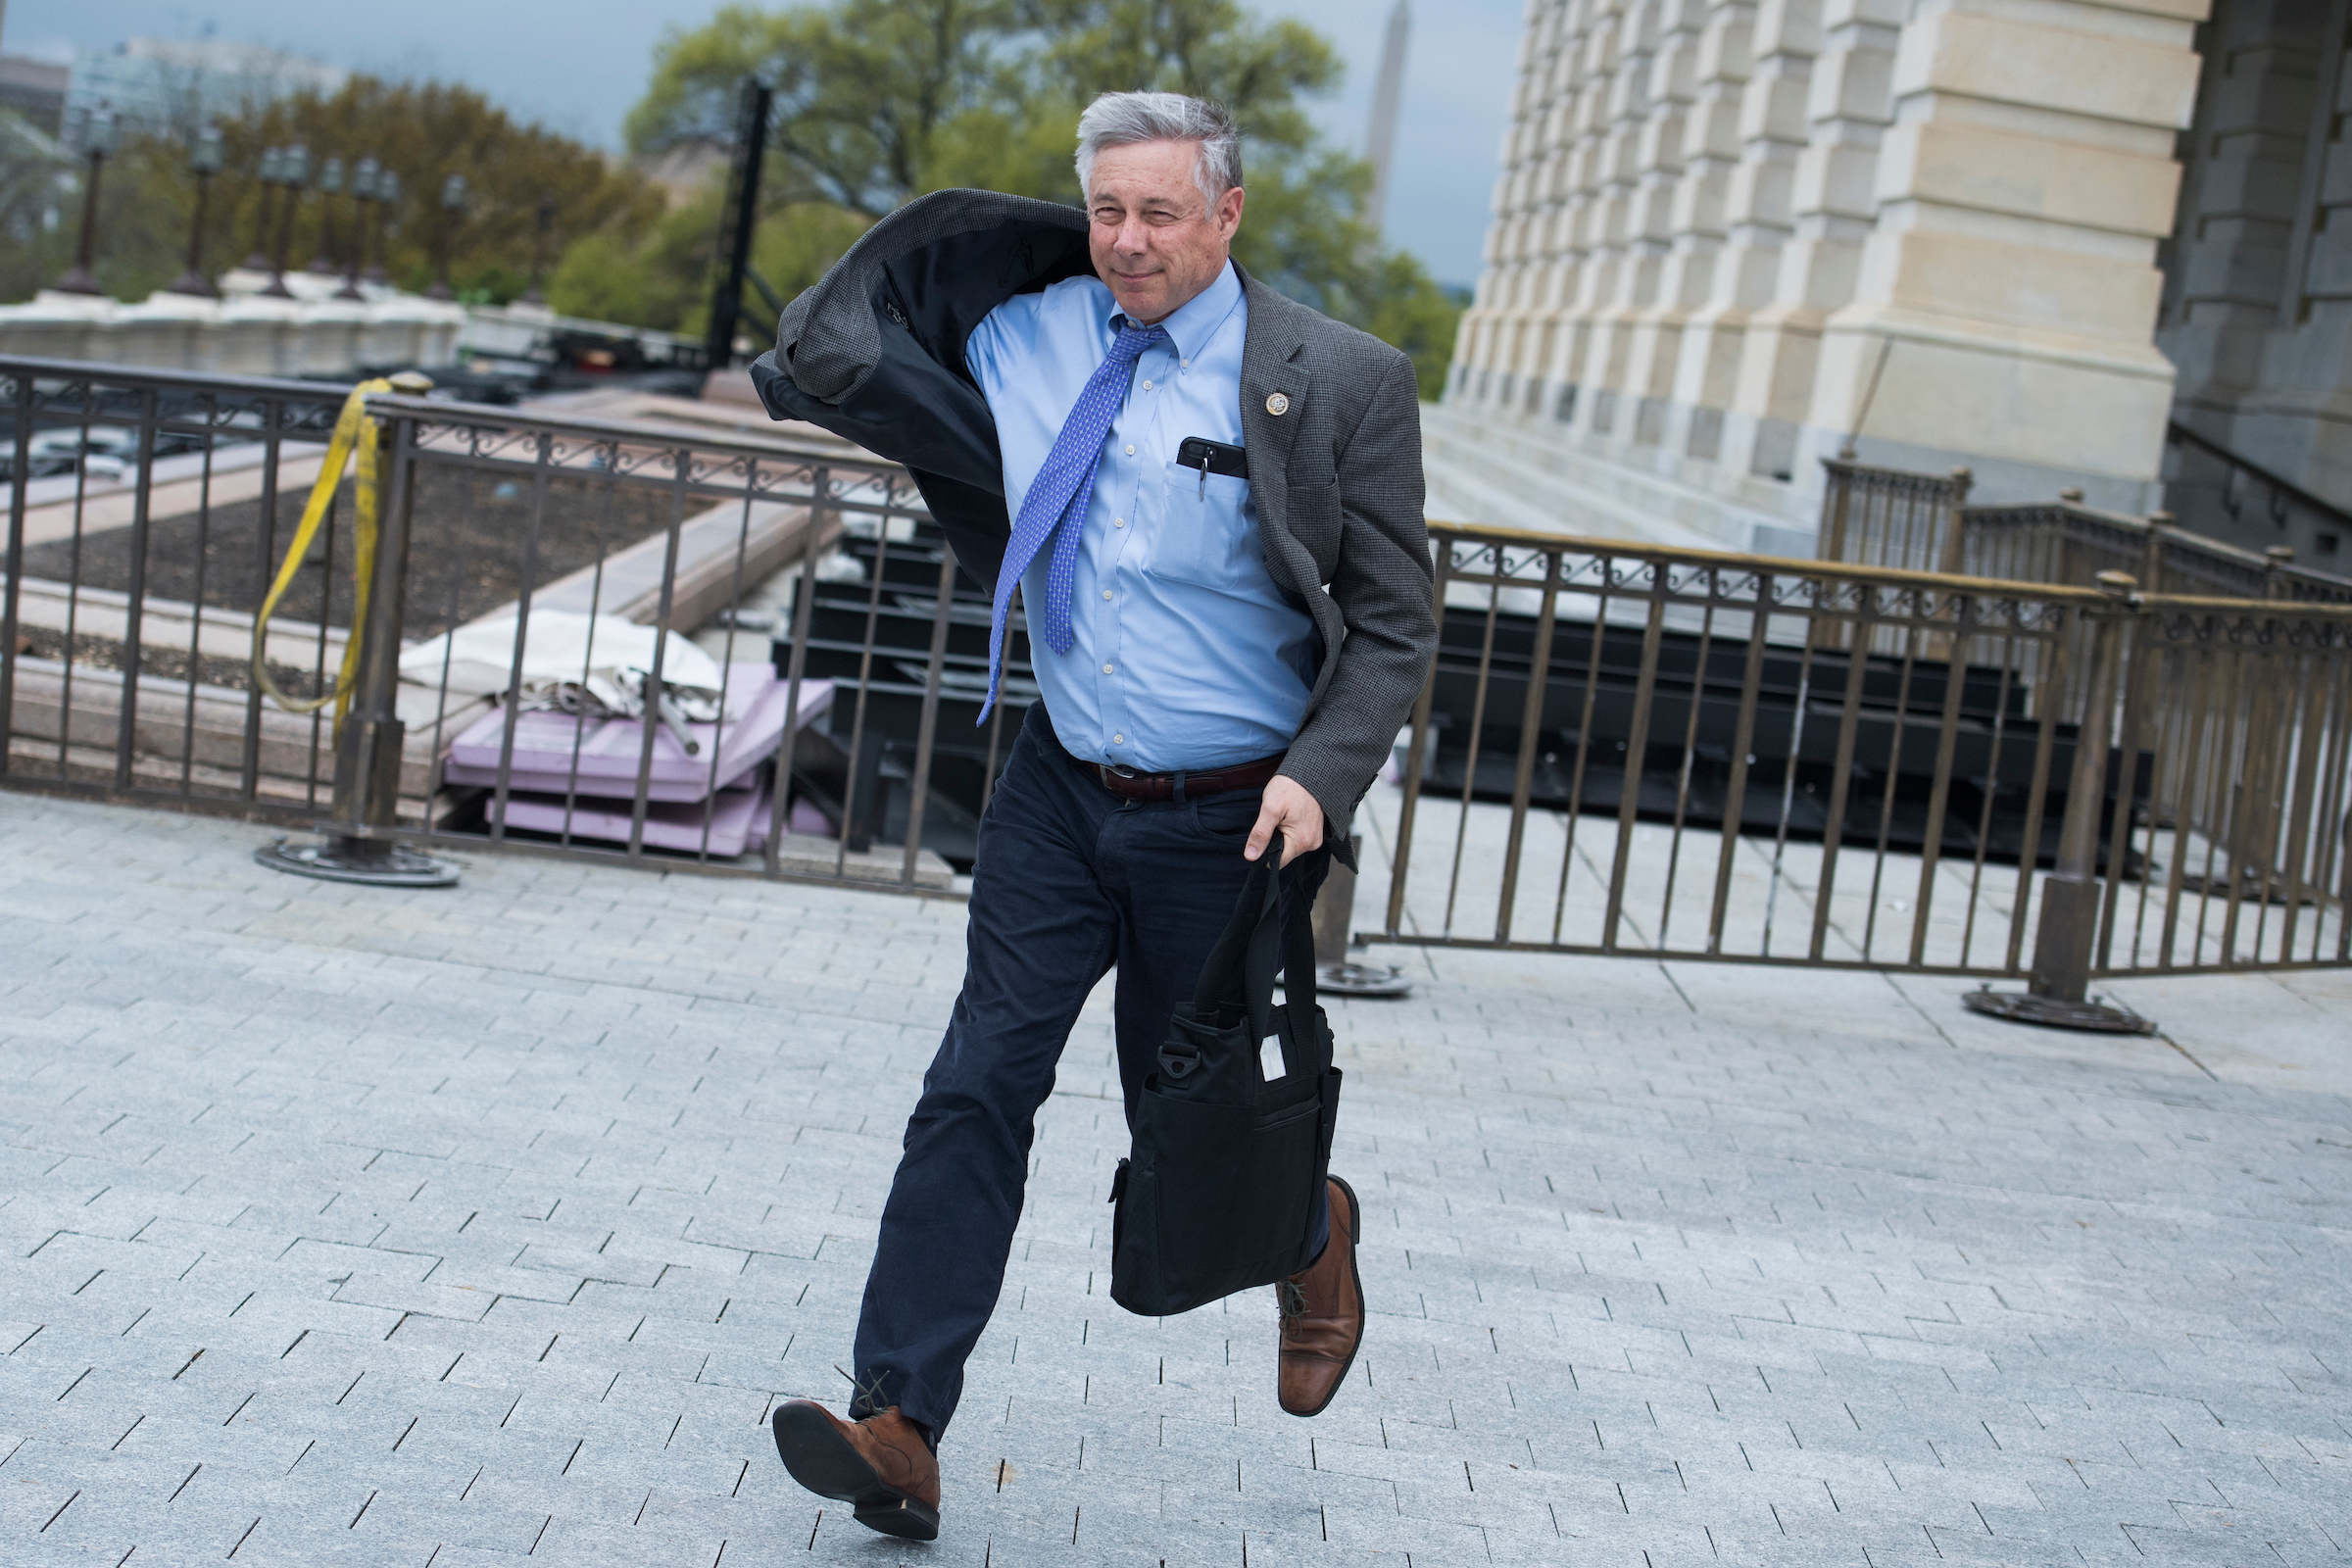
x=1323, y=1313
x=881, y=1465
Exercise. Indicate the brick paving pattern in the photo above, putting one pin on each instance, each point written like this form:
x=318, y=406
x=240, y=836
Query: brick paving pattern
x=485, y=1226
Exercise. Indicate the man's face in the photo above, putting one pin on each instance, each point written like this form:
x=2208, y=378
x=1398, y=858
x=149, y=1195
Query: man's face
x=1155, y=240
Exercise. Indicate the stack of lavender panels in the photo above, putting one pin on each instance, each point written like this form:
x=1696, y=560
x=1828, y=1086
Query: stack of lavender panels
x=578, y=777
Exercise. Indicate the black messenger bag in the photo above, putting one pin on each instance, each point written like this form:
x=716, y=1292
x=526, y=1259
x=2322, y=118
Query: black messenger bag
x=1220, y=1191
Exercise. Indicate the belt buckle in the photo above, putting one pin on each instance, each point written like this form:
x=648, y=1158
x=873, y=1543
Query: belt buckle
x=1107, y=771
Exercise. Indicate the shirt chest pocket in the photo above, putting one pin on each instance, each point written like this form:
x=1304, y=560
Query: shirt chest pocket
x=1206, y=536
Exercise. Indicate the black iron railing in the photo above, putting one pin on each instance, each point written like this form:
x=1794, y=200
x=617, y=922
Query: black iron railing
x=1678, y=753
x=1690, y=754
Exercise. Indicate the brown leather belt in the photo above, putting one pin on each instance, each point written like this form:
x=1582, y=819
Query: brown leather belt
x=1131, y=786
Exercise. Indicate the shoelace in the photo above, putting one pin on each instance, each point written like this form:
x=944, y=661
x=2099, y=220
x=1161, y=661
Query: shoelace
x=869, y=1400
x=1289, y=1301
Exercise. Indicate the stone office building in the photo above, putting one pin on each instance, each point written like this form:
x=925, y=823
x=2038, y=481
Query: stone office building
x=2066, y=245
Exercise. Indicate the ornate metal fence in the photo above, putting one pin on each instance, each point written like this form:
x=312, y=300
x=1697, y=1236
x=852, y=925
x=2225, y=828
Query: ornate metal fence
x=1887, y=517
x=1922, y=522
x=1620, y=749
x=133, y=572
x=1707, y=755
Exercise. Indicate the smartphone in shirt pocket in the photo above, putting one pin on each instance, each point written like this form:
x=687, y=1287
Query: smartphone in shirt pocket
x=1206, y=535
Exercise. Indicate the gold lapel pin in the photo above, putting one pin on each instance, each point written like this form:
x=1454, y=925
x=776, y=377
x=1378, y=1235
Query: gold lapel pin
x=1277, y=404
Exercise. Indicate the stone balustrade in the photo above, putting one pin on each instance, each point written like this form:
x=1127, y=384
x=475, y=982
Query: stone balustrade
x=244, y=333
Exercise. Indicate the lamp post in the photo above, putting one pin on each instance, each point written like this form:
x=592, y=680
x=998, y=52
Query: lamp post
x=267, y=178
x=387, y=197
x=98, y=141
x=362, y=191
x=453, y=206
x=547, y=223
x=331, y=186
x=204, y=161
x=293, y=169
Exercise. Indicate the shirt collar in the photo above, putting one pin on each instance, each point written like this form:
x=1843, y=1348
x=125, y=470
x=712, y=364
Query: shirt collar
x=1193, y=325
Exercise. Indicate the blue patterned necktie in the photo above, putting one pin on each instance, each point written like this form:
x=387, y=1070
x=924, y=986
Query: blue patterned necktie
x=1061, y=494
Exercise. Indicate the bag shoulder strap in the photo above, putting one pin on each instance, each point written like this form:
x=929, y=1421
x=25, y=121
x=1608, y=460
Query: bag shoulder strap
x=1225, y=970
x=1268, y=930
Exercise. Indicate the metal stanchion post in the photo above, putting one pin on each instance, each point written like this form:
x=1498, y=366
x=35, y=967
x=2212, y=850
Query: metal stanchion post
x=360, y=844
x=1333, y=913
x=2058, y=988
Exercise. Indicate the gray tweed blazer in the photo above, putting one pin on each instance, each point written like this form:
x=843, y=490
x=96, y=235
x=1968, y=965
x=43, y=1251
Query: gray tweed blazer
x=874, y=351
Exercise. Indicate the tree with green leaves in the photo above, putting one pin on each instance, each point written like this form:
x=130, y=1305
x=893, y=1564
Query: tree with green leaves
x=421, y=131
x=879, y=101
x=37, y=185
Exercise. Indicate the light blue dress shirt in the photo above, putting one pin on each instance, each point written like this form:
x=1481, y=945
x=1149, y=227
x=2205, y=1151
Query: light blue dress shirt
x=1185, y=654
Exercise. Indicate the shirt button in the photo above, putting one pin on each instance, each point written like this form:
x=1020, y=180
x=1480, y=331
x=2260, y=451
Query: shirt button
x=1106, y=593
x=1131, y=450
x=1118, y=523
x=1118, y=740
x=1106, y=669
x=1146, y=387
x=1187, y=364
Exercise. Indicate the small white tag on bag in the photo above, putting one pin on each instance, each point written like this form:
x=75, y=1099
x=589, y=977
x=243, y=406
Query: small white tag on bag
x=1269, y=1057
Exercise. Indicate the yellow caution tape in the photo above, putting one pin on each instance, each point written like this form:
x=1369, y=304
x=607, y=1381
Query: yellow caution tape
x=354, y=433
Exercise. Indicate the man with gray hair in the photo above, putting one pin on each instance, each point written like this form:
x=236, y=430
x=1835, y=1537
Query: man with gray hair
x=1210, y=498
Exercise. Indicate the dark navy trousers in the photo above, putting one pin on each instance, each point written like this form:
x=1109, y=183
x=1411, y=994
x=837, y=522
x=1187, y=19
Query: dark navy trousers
x=1068, y=882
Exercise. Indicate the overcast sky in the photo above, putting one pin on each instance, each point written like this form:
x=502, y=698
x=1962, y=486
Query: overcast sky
x=578, y=66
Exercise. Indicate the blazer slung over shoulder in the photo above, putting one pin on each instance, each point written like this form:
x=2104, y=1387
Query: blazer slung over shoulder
x=873, y=352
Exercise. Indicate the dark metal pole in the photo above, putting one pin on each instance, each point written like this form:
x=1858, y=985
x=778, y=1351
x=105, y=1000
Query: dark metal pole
x=362, y=191
x=452, y=203
x=368, y=743
x=193, y=281
x=359, y=845
x=330, y=183
x=1333, y=918
x=358, y=251
x=743, y=217
x=547, y=223
x=258, y=259
x=387, y=197
x=2059, y=988
x=81, y=280
x=204, y=161
x=293, y=171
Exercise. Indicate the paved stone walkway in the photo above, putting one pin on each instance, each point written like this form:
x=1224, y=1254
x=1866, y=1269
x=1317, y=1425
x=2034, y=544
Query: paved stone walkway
x=448, y=1229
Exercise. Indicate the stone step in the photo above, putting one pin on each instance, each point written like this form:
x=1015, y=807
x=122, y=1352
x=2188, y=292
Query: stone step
x=1470, y=482
x=1485, y=459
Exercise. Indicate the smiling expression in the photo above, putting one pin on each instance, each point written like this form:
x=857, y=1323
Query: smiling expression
x=1154, y=239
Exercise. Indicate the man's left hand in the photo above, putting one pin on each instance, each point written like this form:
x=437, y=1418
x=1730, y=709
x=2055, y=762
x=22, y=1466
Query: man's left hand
x=1287, y=809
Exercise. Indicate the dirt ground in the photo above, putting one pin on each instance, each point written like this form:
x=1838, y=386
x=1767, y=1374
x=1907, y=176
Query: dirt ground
x=468, y=551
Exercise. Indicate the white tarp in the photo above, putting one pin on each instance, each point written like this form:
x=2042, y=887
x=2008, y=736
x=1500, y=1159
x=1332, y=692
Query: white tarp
x=566, y=656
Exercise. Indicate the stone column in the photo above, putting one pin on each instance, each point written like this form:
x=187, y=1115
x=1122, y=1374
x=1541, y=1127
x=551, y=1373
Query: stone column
x=1614, y=258
x=1587, y=64
x=1666, y=86
x=1848, y=110
x=1701, y=206
x=2008, y=287
x=1759, y=222
x=1546, y=265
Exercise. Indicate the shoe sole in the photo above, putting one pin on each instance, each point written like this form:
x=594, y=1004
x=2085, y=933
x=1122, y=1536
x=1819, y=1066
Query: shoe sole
x=1356, y=1228
x=821, y=1459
